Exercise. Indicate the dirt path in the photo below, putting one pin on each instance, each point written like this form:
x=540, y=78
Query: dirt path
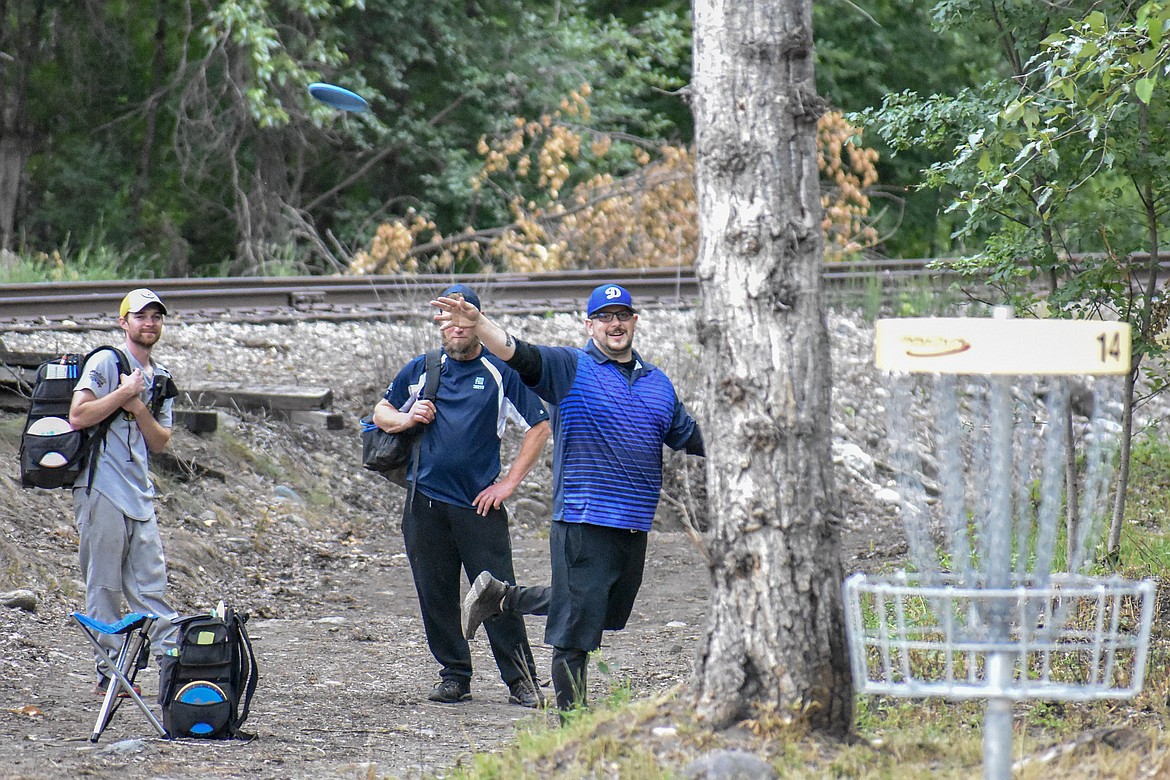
x=282, y=518
x=344, y=681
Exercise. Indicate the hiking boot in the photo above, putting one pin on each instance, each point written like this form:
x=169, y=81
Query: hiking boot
x=483, y=601
x=103, y=685
x=524, y=693
x=451, y=692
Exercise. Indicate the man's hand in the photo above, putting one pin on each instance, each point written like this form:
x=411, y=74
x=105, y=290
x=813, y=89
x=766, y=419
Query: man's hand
x=458, y=313
x=132, y=386
x=455, y=313
x=491, y=497
x=421, y=412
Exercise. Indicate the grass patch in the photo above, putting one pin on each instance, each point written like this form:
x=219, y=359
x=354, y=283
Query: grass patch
x=248, y=453
x=91, y=261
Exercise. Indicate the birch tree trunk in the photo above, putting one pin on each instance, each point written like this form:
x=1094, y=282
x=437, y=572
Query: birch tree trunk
x=775, y=635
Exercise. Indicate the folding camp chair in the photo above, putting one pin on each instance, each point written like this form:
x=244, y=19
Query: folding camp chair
x=134, y=629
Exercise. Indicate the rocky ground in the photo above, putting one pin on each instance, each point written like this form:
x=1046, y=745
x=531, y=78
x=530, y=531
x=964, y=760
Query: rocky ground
x=280, y=519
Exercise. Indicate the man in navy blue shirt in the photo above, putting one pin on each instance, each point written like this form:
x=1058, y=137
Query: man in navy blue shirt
x=612, y=413
x=457, y=518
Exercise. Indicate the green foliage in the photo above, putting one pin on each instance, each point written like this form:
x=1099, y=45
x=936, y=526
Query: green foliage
x=1049, y=161
x=192, y=137
x=187, y=133
x=95, y=260
x=1145, y=538
x=868, y=51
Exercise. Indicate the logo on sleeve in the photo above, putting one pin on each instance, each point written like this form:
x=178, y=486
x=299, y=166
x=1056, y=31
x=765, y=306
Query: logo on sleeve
x=97, y=378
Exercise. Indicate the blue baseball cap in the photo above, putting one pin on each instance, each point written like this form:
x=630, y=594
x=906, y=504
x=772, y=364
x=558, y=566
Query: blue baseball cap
x=467, y=293
x=609, y=295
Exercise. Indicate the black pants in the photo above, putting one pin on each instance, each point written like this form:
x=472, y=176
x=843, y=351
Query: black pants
x=597, y=572
x=440, y=540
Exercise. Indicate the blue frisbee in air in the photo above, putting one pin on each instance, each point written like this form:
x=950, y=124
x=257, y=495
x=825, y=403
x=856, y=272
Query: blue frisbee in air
x=338, y=97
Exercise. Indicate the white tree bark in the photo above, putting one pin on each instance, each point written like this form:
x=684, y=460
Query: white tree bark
x=775, y=634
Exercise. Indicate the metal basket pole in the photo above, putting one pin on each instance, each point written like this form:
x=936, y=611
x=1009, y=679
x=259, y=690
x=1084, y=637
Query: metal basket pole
x=997, y=719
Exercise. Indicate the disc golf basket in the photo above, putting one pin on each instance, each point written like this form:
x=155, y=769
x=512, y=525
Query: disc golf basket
x=980, y=414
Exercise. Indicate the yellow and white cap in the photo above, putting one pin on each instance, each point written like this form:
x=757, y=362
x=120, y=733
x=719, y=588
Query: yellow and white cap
x=137, y=300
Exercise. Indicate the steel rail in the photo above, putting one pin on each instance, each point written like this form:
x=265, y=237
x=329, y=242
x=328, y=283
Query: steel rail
x=209, y=297
x=678, y=285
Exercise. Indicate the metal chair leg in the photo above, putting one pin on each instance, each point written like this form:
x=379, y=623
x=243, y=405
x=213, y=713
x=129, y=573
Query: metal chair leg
x=135, y=629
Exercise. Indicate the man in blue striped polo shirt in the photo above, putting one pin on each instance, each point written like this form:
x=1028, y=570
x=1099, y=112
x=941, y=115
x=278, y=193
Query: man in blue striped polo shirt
x=612, y=413
x=457, y=518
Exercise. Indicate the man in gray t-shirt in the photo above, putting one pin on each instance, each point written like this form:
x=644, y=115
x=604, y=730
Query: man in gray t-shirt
x=121, y=550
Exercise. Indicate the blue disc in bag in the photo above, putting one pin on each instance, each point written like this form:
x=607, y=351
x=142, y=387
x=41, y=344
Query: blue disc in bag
x=201, y=692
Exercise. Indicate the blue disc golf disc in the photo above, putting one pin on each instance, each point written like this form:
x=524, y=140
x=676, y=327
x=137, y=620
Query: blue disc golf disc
x=200, y=692
x=338, y=97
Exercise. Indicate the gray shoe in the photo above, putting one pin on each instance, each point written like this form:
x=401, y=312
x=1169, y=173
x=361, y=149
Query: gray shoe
x=483, y=601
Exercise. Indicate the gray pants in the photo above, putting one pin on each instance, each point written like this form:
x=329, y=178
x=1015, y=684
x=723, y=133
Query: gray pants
x=122, y=557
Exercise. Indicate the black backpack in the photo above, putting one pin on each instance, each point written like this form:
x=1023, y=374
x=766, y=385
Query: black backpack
x=206, y=689
x=52, y=454
x=389, y=453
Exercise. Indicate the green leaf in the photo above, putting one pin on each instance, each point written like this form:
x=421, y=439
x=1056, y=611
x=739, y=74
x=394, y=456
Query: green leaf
x=1144, y=89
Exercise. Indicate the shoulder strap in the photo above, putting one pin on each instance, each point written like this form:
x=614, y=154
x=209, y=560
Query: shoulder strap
x=123, y=361
x=433, y=367
x=97, y=434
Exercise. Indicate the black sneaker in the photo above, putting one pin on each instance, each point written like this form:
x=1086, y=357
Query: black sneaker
x=525, y=694
x=483, y=601
x=451, y=692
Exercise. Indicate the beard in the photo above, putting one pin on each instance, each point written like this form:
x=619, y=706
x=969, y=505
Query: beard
x=146, y=340
x=461, y=350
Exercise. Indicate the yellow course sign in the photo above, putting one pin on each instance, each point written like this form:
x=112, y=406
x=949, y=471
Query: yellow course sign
x=957, y=345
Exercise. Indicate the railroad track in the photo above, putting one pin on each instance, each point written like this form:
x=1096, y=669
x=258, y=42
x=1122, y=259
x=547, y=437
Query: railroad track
x=268, y=298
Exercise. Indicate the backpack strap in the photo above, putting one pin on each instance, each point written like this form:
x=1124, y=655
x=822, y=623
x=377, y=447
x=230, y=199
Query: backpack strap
x=433, y=367
x=245, y=670
x=97, y=433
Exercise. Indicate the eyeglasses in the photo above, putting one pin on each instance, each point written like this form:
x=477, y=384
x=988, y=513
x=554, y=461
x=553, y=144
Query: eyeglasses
x=609, y=316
